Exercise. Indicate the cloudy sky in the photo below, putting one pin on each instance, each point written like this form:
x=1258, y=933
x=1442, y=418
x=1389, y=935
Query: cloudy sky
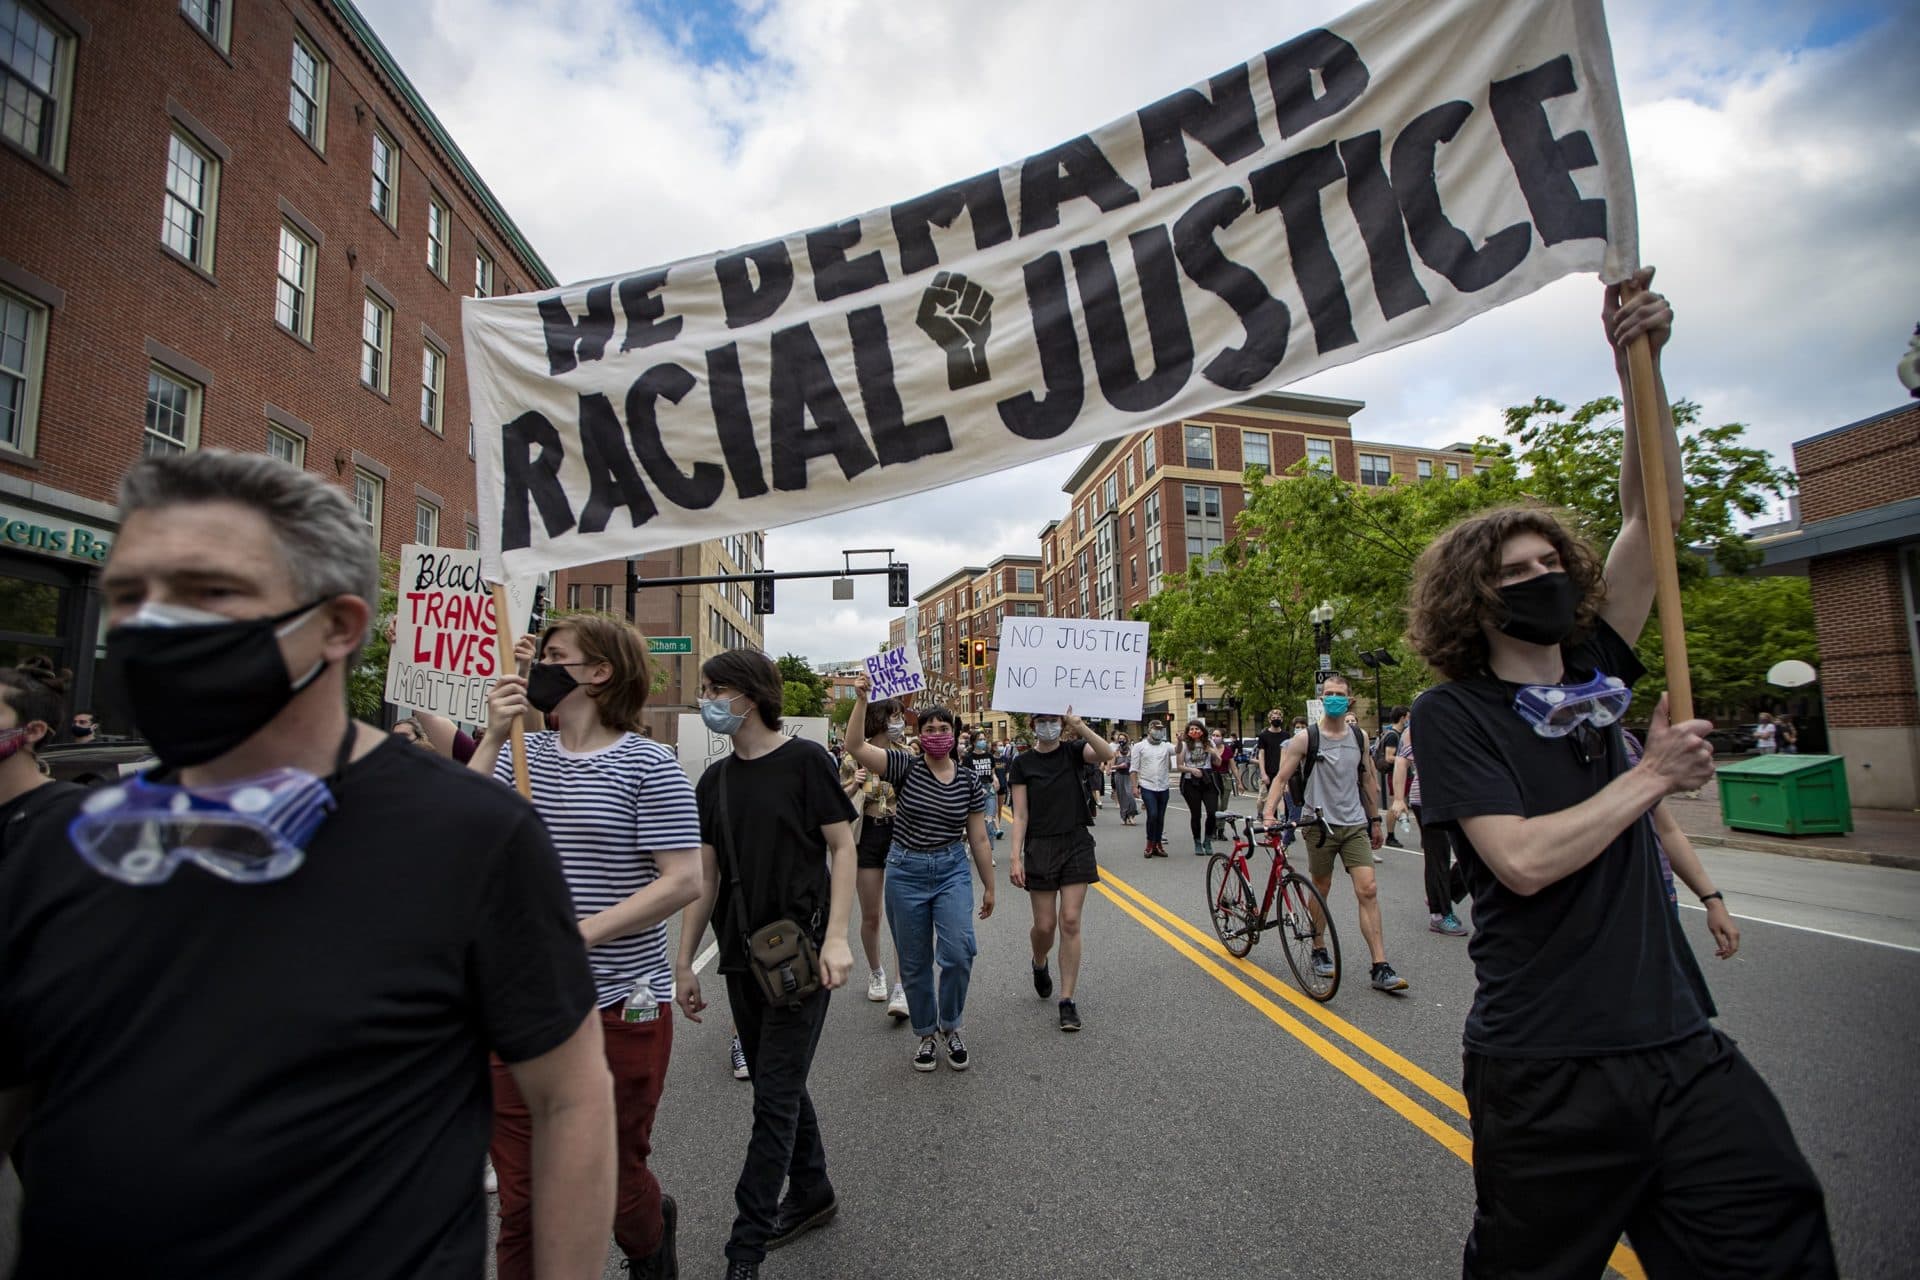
x=1776, y=148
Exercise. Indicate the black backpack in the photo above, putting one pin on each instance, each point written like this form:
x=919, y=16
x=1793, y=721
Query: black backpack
x=1297, y=784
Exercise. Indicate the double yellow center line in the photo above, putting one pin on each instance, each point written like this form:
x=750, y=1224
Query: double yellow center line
x=1242, y=977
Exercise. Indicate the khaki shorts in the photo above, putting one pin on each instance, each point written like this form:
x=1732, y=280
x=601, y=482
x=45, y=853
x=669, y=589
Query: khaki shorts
x=1352, y=844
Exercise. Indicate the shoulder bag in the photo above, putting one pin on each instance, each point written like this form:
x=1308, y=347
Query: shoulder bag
x=781, y=956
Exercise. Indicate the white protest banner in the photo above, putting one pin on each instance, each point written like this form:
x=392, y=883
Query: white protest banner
x=700, y=746
x=1096, y=667
x=895, y=673
x=443, y=658
x=1365, y=185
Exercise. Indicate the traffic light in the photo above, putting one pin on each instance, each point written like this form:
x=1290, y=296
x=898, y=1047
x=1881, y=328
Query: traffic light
x=966, y=654
x=1188, y=685
x=763, y=594
x=979, y=653
x=897, y=586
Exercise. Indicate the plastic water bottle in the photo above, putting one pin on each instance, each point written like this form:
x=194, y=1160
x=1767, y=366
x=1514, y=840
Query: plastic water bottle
x=1405, y=826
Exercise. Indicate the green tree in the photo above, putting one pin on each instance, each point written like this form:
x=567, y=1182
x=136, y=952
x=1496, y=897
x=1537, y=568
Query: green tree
x=1737, y=628
x=367, y=681
x=803, y=692
x=841, y=712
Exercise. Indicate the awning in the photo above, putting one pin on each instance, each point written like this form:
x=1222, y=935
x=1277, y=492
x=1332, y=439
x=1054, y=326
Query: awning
x=1153, y=709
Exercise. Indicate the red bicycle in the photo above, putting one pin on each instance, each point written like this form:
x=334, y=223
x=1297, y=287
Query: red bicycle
x=1291, y=905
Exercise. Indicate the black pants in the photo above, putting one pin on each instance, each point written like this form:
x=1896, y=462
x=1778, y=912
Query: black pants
x=1201, y=794
x=1684, y=1148
x=785, y=1146
x=1446, y=884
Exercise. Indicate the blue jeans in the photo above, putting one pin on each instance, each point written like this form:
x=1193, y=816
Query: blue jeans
x=930, y=909
x=1155, y=803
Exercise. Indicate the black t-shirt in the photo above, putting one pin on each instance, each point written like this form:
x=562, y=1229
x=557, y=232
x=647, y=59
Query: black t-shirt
x=17, y=813
x=1272, y=743
x=776, y=805
x=1594, y=963
x=1056, y=798
x=289, y=1078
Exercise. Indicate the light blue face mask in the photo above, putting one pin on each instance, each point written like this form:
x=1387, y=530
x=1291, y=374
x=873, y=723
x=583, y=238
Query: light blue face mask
x=718, y=715
x=1335, y=704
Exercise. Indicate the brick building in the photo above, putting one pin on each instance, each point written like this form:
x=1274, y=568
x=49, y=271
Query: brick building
x=1859, y=544
x=232, y=226
x=940, y=610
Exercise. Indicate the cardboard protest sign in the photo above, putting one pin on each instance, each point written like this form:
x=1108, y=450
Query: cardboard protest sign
x=895, y=673
x=700, y=746
x=443, y=657
x=1364, y=185
x=1098, y=668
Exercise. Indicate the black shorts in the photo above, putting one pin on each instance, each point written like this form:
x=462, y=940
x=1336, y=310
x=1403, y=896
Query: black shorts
x=1053, y=862
x=876, y=837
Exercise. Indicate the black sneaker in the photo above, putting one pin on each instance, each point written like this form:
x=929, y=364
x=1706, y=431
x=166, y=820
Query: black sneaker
x=926, y=1056
x=1069, y=1016
x=1385, y=979
x=738, y=1270
x=957, y=1056
x=796, y=1217
x=664, y=1262
x=1042, y=981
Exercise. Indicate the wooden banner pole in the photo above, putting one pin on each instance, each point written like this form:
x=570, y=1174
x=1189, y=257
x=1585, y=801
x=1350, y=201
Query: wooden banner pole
x=503, y=634
x=1650, y=427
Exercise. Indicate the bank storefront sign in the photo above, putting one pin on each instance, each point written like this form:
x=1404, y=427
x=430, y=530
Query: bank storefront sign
x=51, y=535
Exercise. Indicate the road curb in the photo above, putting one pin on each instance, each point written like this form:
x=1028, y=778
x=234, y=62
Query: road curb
x=1819, y=853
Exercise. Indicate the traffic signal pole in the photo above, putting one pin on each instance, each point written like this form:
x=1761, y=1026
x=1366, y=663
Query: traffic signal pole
x=762, y=583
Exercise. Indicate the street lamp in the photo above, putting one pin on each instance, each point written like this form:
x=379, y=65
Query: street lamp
x=1377, y=660
x=1321, y=616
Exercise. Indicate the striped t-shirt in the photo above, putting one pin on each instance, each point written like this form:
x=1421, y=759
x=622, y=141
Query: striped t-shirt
x=608, y=811
x=932, y=814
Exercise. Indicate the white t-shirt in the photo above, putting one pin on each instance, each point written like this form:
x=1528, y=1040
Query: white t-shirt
x=1763, y=737
x=1153, y=763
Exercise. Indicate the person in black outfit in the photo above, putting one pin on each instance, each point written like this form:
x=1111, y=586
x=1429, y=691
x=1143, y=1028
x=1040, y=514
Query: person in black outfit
x=287, y=1077
x=776, y=836
x=1601, y=1097
x=1388, y=750
x=1053, y=853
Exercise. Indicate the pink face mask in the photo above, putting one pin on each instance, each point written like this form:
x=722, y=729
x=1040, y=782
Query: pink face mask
x=936, y=744
x=11, y=740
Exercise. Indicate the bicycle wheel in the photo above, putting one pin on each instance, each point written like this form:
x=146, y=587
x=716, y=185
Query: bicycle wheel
x=1231, y=904
x=1299, y=902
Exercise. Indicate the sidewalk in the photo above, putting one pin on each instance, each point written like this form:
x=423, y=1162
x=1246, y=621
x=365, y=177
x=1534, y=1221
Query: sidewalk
x=1880, y=837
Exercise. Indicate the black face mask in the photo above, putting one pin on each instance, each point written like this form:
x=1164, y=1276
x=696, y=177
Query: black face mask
x=198, y=690
x=1540, y=610
x=548, y=685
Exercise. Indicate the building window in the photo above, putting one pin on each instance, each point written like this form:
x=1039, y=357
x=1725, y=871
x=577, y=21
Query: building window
x=426, y=523
x=1153, y=511
x=573, y=596
x=1319, y=454
x=473, y=538
x=376, y=333
x=433, y=377
x=1133, y=571
x=1023, y=580
x=385, y=173
x=22, y=351
x=437, y=220
x=173, y=412
x=35, y=82
x=1199, y=446
x=1256, y=449
x=1423, y=468
x=287, y=447
x=1453, y=471
x=307, y=94
x=1025, y=609
x=1206, y=531
x=482, y=274
x=1113, y=491
x=367, y=493
x=210, y=18
x=192, y=180
x=1146, y=454
x=603, y=598
x=1156, y=563
x=293, y=294
x=1375, y=468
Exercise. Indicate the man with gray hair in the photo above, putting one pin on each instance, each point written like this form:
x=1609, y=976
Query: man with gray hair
x=253, y=1040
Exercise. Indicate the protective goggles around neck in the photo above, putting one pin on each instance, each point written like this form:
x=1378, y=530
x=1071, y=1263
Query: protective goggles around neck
x=249, y=832
x=1556, y=710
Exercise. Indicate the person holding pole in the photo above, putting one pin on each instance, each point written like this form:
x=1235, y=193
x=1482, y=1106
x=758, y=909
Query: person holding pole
x=623, y=817
x=1600, y=1095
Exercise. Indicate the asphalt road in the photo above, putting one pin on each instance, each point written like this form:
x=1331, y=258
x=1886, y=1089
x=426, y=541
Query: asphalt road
x=1210, y=1121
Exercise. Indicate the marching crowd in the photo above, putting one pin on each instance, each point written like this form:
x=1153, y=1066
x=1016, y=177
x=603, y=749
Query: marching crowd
x=266, y=1010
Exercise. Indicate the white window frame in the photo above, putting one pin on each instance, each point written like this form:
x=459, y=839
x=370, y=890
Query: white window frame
x=387, y=181
x=1423, y=468
x=1376, y=469
x=1023, y=581
x=214, y=20
x=302, y=327
x=383, y=352
x=1453, y=470
x=482, y=273
x=294, y=448
x=1266, y=447
x=439, y=250
x=602, y=597
x=426, y=523
x=1147, y=454
x=209, y=215
x=433, y=387
x=1329, y=462
x=50, y=147
x=31, y=373
x=369, y=498
x=1187, y=430
x=473, y=538
x=298, y=99
x=196, y=397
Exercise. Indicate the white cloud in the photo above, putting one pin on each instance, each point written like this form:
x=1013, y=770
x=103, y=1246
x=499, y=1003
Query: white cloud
x=1778, y=193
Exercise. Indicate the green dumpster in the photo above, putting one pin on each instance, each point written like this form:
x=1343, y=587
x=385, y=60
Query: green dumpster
x=1788, y=795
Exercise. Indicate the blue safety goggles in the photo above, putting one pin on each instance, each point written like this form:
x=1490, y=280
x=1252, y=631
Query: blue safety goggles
x=1556, y=710
x=249, y=832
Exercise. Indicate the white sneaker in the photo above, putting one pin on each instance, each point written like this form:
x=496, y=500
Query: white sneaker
x=877, y=985
x=491, y=1181
x=897, y=1007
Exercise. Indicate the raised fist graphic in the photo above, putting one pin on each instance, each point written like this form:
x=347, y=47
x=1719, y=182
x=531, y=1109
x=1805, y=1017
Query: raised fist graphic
x=958, y=314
